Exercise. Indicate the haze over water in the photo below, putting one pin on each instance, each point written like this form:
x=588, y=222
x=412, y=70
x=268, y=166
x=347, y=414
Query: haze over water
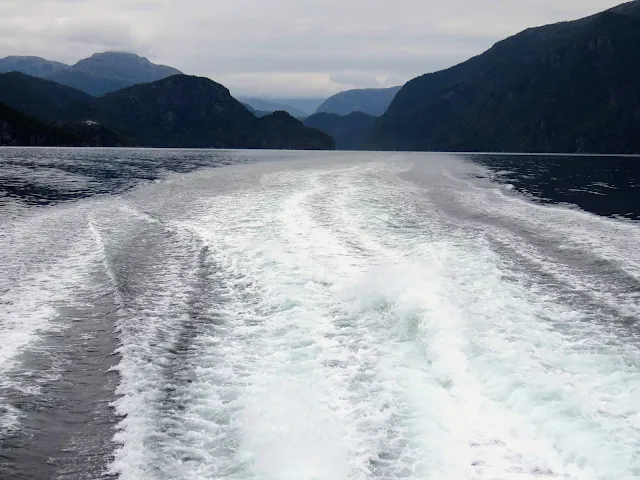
x=300, y=316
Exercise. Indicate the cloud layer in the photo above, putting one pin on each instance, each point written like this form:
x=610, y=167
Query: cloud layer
x=280, y=47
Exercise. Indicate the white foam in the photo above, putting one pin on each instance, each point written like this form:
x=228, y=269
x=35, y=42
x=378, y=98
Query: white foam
x=46, y=260
x=354, y=334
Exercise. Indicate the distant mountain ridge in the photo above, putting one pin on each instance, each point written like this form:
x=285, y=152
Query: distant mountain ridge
x=97, y=75
x=34, y=66
x=257, y=113
x=348, y=131
x=269, y=106
x=567, y=87
x=308, y=105
x=178, y=111
x=110, y=71
x=162, y=114
x=279, y=130
x=372, y=101
x=186, y=111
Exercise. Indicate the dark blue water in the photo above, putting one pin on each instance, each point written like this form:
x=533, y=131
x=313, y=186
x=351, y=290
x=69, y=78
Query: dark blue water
x=608, y=186
x=41, y=176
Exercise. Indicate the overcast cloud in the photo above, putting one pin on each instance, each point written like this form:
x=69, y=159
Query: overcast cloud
x=280, y=47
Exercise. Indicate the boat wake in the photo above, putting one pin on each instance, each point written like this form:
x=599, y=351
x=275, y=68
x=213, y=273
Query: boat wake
x=368, y=318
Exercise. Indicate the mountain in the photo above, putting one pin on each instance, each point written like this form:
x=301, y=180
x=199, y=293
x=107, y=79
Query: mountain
x=17, y=129
x=43, y=99
x=348, y=131
x=178, y=111
x=372, y=101
x=567, y=87
x=34, y=66
x=269, y=106
x=257, y=113
x=94, y=134
x=185, y=111
x=307, y=105
x=110, y=71
x=99, y=74
x=280, y=130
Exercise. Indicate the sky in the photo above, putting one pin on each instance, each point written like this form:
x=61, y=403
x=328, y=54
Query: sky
x=280, y=48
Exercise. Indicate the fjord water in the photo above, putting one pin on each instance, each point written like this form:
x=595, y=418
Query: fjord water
x=299, y=316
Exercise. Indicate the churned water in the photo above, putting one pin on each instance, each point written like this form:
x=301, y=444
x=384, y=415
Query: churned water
x=318, y=316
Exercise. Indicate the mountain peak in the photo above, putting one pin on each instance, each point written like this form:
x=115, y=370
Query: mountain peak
x=190, y=111
x=101, y=73
x=190, y=85
x=120, y=60
x=115, y=56
x=31, y=58
x=268, y=105
x=116, y=53
x=106, y=72
x=629, y=8
x=372, y=101
x=30, y=65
